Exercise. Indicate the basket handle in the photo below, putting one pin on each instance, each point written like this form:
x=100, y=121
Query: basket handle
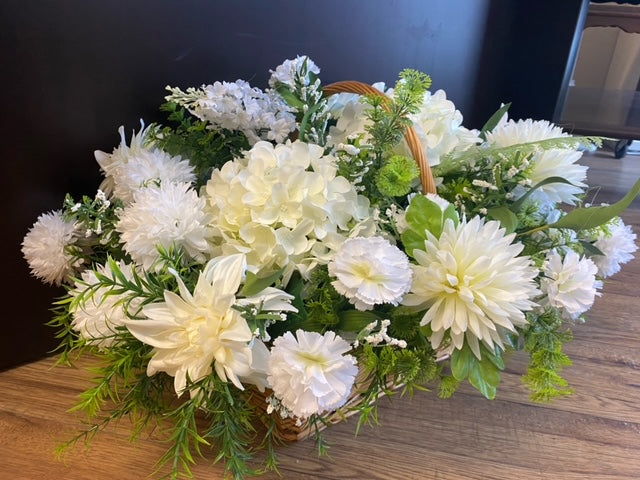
x=418, y=153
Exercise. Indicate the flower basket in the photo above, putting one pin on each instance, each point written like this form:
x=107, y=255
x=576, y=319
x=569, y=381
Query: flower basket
x=283, y=258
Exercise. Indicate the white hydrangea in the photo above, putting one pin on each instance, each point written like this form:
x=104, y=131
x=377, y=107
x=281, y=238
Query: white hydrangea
x=134, y=166
x=618, y=243
x=102, y=310
x=239, y=106
x=169, y=214
x=47, y=248
x=282, y=206
x=569, y=281
x=310, y=373
x=370, y=271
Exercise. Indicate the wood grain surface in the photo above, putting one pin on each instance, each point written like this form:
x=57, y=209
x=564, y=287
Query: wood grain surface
x=593, y=434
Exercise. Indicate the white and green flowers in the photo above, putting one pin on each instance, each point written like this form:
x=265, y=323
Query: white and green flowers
x=272, y=253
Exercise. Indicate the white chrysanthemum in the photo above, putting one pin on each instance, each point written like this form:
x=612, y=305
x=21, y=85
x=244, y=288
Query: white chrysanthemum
x=46, y=247
x=171, y=214
x=438, y=124
x=511, y=132
x=132, y=167
x=474, y=284
x=288, y=70
x=102, y=310
x=570, y=282
x=311, y=373
x=192, y=332
x=282, y=205
x=370, y=271
x=618, y=243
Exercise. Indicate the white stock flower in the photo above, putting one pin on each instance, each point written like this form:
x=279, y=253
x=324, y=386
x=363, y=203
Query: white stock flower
x=102, y=310
x=191, y=332
x=282, y=206
x=171, y=214
x=239, y=106
x=311, y=373
x=370, y=271
x=46, y=248
x=618, y=243
x=287, y=71
x=132, y=167
x=474, y=284
x=570, y=282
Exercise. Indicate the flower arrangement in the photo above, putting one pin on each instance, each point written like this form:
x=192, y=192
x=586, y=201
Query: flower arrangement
x=288, y=254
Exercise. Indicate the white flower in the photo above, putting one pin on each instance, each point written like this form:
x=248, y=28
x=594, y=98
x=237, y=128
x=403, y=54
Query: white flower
x=239, y=106
x=102, y=310
x=289, y=69
x=618, y=243
x=130, y=168
x=570, y=282
x=311, y=373
x=170, y=214
x=47, y=248
x=282, y=206
x=370, y=271
x=557, y=163
x=473, y=283
x=192, y=332
x=510, y=132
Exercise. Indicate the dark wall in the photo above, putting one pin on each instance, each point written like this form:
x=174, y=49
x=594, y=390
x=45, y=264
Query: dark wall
x=73, y=71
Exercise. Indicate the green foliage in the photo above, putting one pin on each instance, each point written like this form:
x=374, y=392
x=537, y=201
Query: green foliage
x=397, y=176
x=494, y=120
x=483, y=373
x=448, y=386
x=544, y=340
x=193, y=139
x=424, y=215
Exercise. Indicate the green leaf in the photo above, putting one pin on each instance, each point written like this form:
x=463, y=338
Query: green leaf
x=505, y=216
x=288, y=96
x=412, y=241
x=591, y=217
x=517, y=205
x=255, y=283
x=426, y=215
x=590, y=248
x=355, y=320
x=494, y=120
x=483, y=374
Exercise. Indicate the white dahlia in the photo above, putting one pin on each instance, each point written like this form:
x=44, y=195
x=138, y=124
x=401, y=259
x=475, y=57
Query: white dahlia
x=47, y=247
x=132, y=167
x=569, y=282
x=282, y=206
x=192, y=332
x=171, y=214
x=473, y=283
x=370, y=271
x=618, y=243
x=310, y=373
x=102, y=309
x=511, y=132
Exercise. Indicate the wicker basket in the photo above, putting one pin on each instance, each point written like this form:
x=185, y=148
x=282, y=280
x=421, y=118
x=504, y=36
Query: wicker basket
x=292, y=429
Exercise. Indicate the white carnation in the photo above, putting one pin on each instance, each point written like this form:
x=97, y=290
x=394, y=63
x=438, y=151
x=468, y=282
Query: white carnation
x=102, y=309
x=132, y=167
x=311, y=374
x=171, y=214
x=370, y=271
x=570, y=282
x=48, y=246
x=618, y=243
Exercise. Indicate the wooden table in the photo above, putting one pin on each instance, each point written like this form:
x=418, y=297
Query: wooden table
x=594, y=434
